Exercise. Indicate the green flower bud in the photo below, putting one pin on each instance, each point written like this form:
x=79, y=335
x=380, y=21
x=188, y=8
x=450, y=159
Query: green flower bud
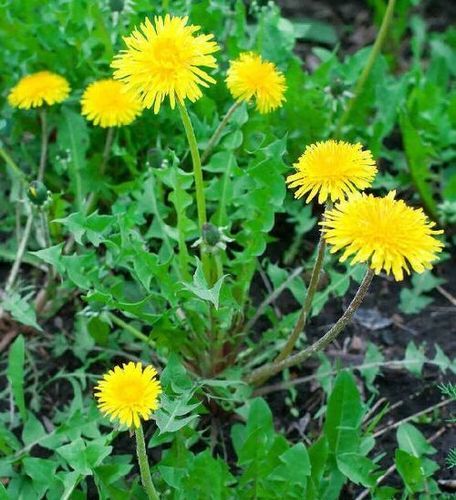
x=116, y=5
x=211, y=234
x=37, y=193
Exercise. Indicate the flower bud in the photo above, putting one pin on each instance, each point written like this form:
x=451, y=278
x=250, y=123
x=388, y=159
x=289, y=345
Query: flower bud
x=37, y=193
x=211, y=234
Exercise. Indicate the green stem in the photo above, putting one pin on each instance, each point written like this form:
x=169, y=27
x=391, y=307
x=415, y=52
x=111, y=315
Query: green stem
x=44, y=144
x=196, y=160
x=376, y=50
x=199, y=183
x=129, y=328
x=144, y=468
x=12, y=165
x=264, y=372
x=20, y=253
x=218, y=132
x=300, y=324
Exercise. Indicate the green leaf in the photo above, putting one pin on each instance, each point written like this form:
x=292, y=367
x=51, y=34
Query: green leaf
x=296, y=466
x=41, y=471
x=201, y=289
x=15, y=374
x=409, y=468
x=51, y=255
x=33, y=430
x=415, y=358
x=411, y=440
x=318, y=455
x=3, y=493
x=344, y=415
x=73, y=137
x=92, y=226
x=413, y=299
x=417, y=154
x=75, y=455
x=20, y=309
x=176, y=413
x=342, y=429
x=373, y=356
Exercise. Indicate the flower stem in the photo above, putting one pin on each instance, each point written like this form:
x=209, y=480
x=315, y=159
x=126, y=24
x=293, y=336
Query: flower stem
x=300, y=324
x=376, y=49
x=199, y=183
x=129, y=328
x=44, y=144
x=20, y=253
x=218, y=132
x=144, y=468
x=264, y=372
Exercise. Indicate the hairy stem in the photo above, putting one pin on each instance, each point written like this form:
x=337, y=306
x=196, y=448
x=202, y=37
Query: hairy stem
x=144, y=467
x=376, y=50
x=267, y=371
x=218, y=132
x=300, y=324
x=44, y=144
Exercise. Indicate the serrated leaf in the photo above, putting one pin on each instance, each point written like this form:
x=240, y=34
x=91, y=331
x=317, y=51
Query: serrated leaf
x=20, y=309
x=201, y=289
x=415, y=358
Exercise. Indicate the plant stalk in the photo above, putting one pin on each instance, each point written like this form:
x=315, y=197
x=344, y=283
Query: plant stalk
x=376, y=50
x=44, y=144
x=218, y=132
x=265, y=372
x=20, y=253
x=129, y=328
x=144, y=467
x=300, y=324
x=199, y=183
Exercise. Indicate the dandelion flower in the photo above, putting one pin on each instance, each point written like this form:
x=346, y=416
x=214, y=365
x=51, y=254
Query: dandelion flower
x=129, y=393
x=332, y=169
x=108, y=103
x=250, y=76
x=386, y=232
x=37, y=89
x=165, y=59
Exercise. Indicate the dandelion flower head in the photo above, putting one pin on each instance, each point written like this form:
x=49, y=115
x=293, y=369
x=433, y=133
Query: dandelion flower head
x=385, y=232
x=165, y=59
x=332, y=169
x=38, y=89
x=129, y=393
x=108, y=103
x=250, y=77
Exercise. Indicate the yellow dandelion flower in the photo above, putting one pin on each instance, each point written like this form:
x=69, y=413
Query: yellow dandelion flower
x=250, y=77
x=37, y=89
x=384, y=231
x=108, y=103
x=165, y=59
x=332, y=169
x=129, y=393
